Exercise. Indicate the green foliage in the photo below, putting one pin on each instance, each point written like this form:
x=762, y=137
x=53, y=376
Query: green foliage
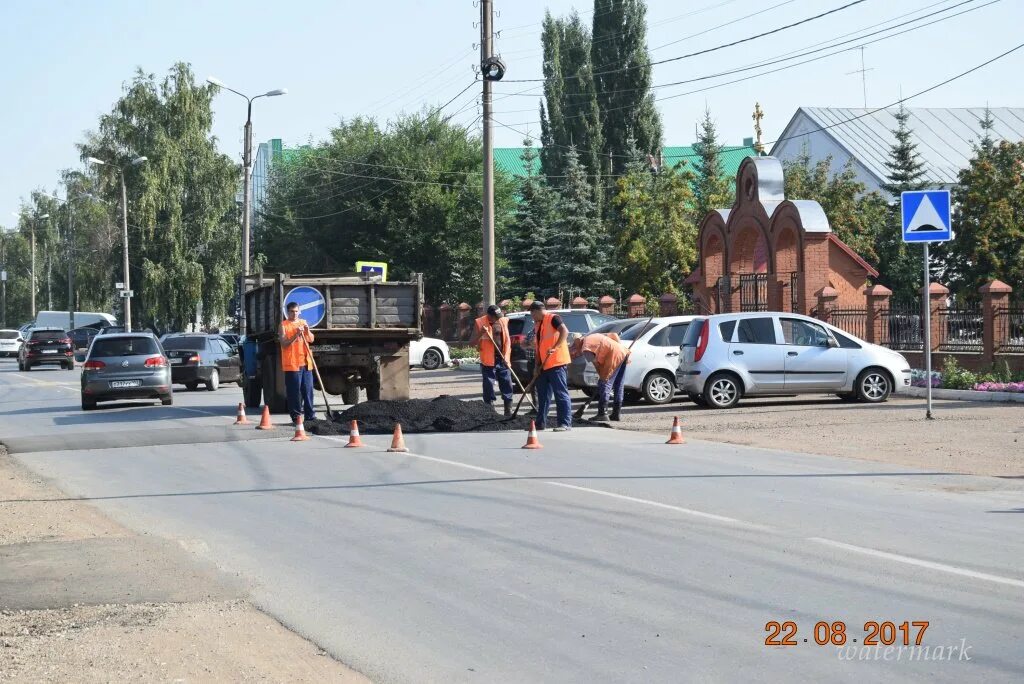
x=712, y=189
x=956, y=377
x=407, y=194
x=576, y=246
x=526, y=238
x=655, y=235
x=464, y=352
x=989, y=218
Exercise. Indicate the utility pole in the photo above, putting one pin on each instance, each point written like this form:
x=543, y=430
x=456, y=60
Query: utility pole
x=246, y=216
x=127, y=301
x=486, y=53
x=71, y=261
x=33, y=241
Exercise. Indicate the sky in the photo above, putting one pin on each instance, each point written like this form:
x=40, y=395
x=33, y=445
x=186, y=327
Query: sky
x=66, y=63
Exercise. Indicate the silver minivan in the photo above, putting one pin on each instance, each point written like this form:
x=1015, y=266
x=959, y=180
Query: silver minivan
x=728, y=356
x=125, y=366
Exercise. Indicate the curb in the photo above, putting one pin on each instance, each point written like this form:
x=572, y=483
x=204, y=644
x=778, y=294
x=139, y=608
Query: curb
x=964, y=395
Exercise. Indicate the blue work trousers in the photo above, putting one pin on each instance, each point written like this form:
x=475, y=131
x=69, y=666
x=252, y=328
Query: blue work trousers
x=299, y=386
x=554, y=381
x=611, y=389
x=500, y=372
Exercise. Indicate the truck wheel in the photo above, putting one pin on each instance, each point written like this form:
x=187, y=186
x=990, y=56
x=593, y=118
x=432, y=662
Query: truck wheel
x=252, y=392
x=373, y=391
x=273, y=396
x=351, y=395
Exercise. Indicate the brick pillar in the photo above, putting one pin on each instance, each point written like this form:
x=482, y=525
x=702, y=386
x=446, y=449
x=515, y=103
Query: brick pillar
x=826, y=300
x=668, y=304
x=447, y=315
x=606, y=305
x=427, y=324
x=553, y=303
x=995, y=295
x=464, y=322
x=480, y=308
x=637, y=306
x=579, y=303
x=525, y=306
x=506, y=305
x=937, y=294
x=877, y=297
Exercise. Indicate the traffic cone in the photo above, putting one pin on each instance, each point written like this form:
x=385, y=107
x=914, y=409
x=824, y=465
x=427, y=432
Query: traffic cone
x=300, y=431
x=241, y=419
x=353, y=436
x=265, y=423
x=531, y=440
x=677, y=433
x=398, y=441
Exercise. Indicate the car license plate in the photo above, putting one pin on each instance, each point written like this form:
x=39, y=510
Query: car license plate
x=177, y=360
x=325, y=347
x=49, y=351
x=125, y=383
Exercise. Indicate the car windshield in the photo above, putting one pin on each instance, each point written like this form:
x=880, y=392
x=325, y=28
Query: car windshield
x=637, y=331
x=603, y=319
x=192, y=343
x=124, y=346
x=617, y=326
x=49, y=335
x=9, y=334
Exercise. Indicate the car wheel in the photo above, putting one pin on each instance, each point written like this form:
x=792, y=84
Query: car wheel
x=432, y=359
x=873, y=385
x=214, y=382
x=697, y=399
x=27, y=368
x=88, y=404
x=722, y=390
x=659, y=388
x=191, y=386
x=168, y=400
x=252, y=390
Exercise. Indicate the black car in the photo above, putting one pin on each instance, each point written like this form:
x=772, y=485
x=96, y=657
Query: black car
x=197, y=358
x=81, y=338
x=46, y=346
x=520, y=331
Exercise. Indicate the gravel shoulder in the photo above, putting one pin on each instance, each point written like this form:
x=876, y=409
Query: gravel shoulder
x=974, y=438
x=220, y=640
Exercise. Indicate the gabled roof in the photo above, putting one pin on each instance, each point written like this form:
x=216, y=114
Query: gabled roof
x=944, y=136
x=508, y=158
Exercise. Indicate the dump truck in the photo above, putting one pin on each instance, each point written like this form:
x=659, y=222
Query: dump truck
x=362, y=328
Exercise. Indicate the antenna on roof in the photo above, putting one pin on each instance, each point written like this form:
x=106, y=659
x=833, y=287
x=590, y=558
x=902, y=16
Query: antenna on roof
x=863, y=77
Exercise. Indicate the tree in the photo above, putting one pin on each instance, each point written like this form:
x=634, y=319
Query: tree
x=712, y=189
x=183, y=220
x=656, y=237
x=898, y=266
x=526, y=238
x=575, y=250
x=621, y=71
x=988, y=218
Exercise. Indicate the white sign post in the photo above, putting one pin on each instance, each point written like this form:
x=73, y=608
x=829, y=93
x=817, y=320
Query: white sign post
x=926, y=219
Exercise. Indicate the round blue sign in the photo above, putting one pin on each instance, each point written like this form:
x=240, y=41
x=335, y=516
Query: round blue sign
x=311, y=304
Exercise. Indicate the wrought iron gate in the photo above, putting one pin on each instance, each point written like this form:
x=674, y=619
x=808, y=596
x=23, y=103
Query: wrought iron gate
x=753, y=292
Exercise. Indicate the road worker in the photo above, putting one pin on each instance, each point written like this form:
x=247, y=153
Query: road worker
x=296, y=364
x=550, y=367
x=609, y=357
x=490, y=334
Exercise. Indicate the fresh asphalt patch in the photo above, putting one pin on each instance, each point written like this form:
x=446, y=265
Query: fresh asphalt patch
x=85, y=441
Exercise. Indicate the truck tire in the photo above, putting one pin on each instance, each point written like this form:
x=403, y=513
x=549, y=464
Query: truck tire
x=252, y=391
x=373, y=390
x=351, y=395
x=273, y=396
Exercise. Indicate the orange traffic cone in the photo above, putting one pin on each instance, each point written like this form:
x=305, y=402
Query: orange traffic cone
x=353, y=436
x=265, y=423
x=300, y=431
x=677, y=433
x=241, y=419
x=398, y=441
x=531, y=440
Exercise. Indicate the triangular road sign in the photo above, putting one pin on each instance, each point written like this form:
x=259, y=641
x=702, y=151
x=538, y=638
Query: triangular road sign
x=926, y=216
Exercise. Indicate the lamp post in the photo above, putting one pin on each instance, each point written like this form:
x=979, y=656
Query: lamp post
x=124, y=233
x=246, y=186
x=32, y=230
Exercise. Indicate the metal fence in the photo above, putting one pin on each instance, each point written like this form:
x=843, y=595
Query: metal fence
x=902, y=327
x=753, y=292
x=1009, y=329
x=796, y=283
x=853, y=321
x=961, y=329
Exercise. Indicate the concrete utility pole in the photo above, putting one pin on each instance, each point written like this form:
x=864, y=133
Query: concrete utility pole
x=124, y=237
x=486, y=52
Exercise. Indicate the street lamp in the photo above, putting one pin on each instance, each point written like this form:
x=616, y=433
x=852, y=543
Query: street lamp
x=247, y=185
x=124, y=234
x=32, y=228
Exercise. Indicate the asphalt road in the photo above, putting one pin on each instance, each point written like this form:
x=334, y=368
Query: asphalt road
x=605, y=557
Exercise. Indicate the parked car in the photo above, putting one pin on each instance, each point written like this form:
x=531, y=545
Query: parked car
x=81, y=338
x=729, y=356
x=198, y=358
x=232, y=339
x=581, y=371
x=429, y=352
x=520, y=330
x=10, y=342
x=46, y=346
x=126, y=366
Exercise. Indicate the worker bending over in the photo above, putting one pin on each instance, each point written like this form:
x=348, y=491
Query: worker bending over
x=609, y=357
x=550, y=366
x=490, y=334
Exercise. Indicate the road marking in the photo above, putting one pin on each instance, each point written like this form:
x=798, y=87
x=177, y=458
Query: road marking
x=186, y=408
x=940, y=567
x=441, y=460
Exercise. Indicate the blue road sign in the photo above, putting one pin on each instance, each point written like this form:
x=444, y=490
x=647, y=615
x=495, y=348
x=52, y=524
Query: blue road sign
x=926, y=216
x=311, y=304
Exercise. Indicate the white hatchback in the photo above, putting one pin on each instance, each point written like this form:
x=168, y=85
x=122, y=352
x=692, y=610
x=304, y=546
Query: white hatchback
x=10, y=342
x=429, y=352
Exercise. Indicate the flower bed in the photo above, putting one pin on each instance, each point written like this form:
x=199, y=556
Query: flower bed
x=954, y=377
x=1015, y=387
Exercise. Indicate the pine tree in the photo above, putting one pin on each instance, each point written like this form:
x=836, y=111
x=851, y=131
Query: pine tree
x=526, y=239
x=712, y=189
x=899, y=267
x=573, y=258
x=622, y=75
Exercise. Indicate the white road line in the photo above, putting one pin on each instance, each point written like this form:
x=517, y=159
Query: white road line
x=940, y=567
x=440, y=460
x=193, y=410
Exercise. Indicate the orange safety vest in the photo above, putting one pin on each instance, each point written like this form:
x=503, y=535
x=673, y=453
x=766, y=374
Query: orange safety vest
x=294, y=355
x=546, y=335
x=608, y=353
x=487, y=355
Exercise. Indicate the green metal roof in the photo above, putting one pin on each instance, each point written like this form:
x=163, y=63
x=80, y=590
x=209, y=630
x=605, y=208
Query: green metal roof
x=507, y=158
